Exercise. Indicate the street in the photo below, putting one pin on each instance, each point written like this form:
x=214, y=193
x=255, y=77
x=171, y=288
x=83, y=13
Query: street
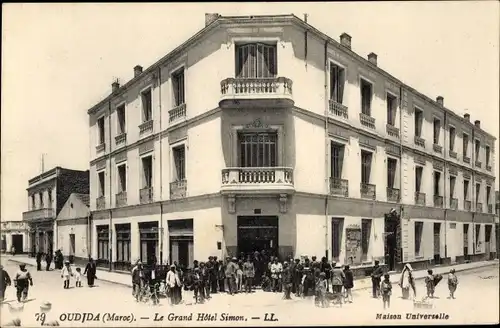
x=477, y=301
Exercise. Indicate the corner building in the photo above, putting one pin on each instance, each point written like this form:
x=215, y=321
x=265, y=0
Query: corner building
x=232, y=143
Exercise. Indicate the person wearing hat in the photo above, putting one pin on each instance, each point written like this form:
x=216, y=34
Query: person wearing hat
x=66, y=273
x=90, y=271
x=174, y=286
x=45, y=308
x=137, y=274
x=22, y=282
x=320, y=299
x=276, y=271
x=248, y=273
x=452, y=283
x=231, y=270
x=4, y=282
x=308, y=283
x=221, y=275
x=198, y=285
x=348, y=283
x=338, y=278
x=287, y=280
x=376, y=275
x=212, y=274
x=297, y=277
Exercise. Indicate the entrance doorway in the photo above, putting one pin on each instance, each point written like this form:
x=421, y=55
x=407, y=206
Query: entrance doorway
x=149, y=242
x=181, y=242
x=17, y=242
x=257, y=233
x=4, y=243
x=391, y=231
x=487, y=242
x=466, y=242
x=41, y=242
x=437, y=243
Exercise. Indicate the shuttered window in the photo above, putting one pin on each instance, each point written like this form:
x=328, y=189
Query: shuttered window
x=256, y=60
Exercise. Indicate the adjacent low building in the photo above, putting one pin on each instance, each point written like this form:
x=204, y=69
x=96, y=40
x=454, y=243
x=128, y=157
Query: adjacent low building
x=14, y=236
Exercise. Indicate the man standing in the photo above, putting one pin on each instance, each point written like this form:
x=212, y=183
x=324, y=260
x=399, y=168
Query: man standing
x=376, y=277
x=174, y=283
x=287, y=281
x=22, y=282
x=48, y=259
x=212, y=271
x=248, y=273
x=4, y=282
x=137, y=279
x=231, y=269
x=297, y=277
x=221, y=268
x=39, y=261
x=90, y=271
x=276, y=270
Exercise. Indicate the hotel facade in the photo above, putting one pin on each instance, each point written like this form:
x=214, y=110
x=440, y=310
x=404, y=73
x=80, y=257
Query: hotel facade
x=261, y=132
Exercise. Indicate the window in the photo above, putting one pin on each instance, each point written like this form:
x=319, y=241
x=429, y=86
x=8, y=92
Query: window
x=180, y=163
x=419, y=117
x=178, y=87
x=391, y=172
x=478, y=148
x=437, y=131
x=419, y=228
x=120, y=115
x=418, y=178
x=122, y=178
x=101, y=190
x=146, y=106
x=100, y=126
x=256, y=60
x=147, y=172
x=366, y=227
x=50, y=198
x=478, y=233
x=487, y=148
x=337, y=229
x=366, y=97
x=452, y=138
x=72, y=244
x=33, y=202
x=488, y=195
x=122, y=243
x=258, y=149
x=102, y=243
x=366, y=163
x=437, y=181
x=391, y=109
x=41, y=200
x=452, y=187
x=478, y=192
x=337, y=82
x=465, y=146
x=487, y=233
x=466, y=190
x=337, y=160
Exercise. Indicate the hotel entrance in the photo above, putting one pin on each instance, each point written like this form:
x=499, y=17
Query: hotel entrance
x=257, y=233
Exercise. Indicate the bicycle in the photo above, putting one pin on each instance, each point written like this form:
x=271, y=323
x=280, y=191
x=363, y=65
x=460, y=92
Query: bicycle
x=146, y=295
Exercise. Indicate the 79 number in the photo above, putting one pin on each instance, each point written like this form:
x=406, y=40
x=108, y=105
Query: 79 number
x=40, y=317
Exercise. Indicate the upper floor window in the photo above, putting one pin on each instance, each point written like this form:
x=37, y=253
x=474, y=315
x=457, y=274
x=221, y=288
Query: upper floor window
x=100, y=127
x=122, y=178
x=100, y=177
x=465, y=146
x=41, y=200
x=391, y=172
x=33, y=202
x=477, y=149
x=478, y=192
x=49, y=192
x=337, y=82
x=258, y=149
x=419, y=117
x=437, y=130
x=120, y=115
x=366, y=97
x=256, y=60
x=418, y=178
x=488, y=195
x=437, y=183
x=391, y=109
x=452, y=138
x=180, y=162
x=452, y=188
x=337, y=160
x=147, y=172
x=366, y=167
x=487, y=148
x=147, y=109
x=466, y=190
x=178, y=87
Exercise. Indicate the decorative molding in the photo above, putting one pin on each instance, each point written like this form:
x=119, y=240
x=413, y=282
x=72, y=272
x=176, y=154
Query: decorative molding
x=367, y=142
x=466, y=175
x=283, y=199
x=257, y=124
x=418, y=159
x=392, y=150
x=101, y=165
x=146, y=147
x=231, y=202
x=340, y=132
x=437, y=165
x=121, y=157
x=453, y=171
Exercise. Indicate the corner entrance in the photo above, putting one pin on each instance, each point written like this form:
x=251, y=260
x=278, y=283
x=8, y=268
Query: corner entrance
x=257, y=233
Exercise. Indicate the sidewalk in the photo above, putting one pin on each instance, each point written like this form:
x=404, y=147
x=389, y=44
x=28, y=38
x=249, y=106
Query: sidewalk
x=359, y=284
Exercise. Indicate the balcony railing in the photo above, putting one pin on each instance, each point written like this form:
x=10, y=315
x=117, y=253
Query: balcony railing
x=467, y=205
x=419, y=141
x=339, y=187
x=368, y=191
x=178, y=189
x=420, y=198
x=490, y=208
x=337, y=109
x=177, y=113
x=257, y=180
x=121, y=198
x=488, y=168
x=100, y=148
x=466, y=159
x=393, y=195
x=121, y=139
x=146, y=195
x=479, y=207
x=237, y=92
x=438, y=201
x=39, y=214
x=367, y=120
x=454, y=203
x=478, y=164
x=392, y=130
x=100, y=203
x=453, y=154
x=437, y=148
x=146, y=127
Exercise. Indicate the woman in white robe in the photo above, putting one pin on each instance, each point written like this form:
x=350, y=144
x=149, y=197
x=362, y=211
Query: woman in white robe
x=407, y=281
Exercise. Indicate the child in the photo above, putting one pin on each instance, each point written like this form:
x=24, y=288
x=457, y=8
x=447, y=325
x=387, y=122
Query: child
x=429, y=283
x=386, y=290
x=452, y=283
x=66, y=273
x=348, y=283
x=78, y=277
x=321, y=291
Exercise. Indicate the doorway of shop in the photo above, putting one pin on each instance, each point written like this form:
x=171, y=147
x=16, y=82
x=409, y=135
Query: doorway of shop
x=149, y=242
x=257, y=233
x=17, y=243
x=437, y=243
x=391, y=230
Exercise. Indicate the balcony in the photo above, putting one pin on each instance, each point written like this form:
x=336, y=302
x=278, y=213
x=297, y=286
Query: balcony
x=368, y=191
x=392, y=130
x=438, y=201
x=256, y=92
x=178, y=189
x=420, y=198
x=478, y=164
x=452, y=154
x=338, y=110
x=454, y=203
x=490, y=208
x=121, y=139
x=488, y=168
x=100, y=148
x=393, y=195
x=479, y=207
x=177, y=113
x=437, y=148
x=339, y=187
x=100, y=203
x=121, y=199
x=367, y=120
x=146, y=195
x=467, y=205
x=419, y=141
x=466, y=159
x=257, y=180
x=146, y=127
x=39, y=214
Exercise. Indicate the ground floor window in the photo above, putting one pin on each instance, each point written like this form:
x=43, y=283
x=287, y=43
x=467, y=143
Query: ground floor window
x=366, y=227
x=419, y=228
x=478, y=234
x=102, y=244
x=122, y=246
x=181, y=242
x=337, y=229
x=149, y=242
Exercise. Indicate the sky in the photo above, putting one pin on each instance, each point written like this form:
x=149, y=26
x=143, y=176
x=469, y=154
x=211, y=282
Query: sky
x=60, y=59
